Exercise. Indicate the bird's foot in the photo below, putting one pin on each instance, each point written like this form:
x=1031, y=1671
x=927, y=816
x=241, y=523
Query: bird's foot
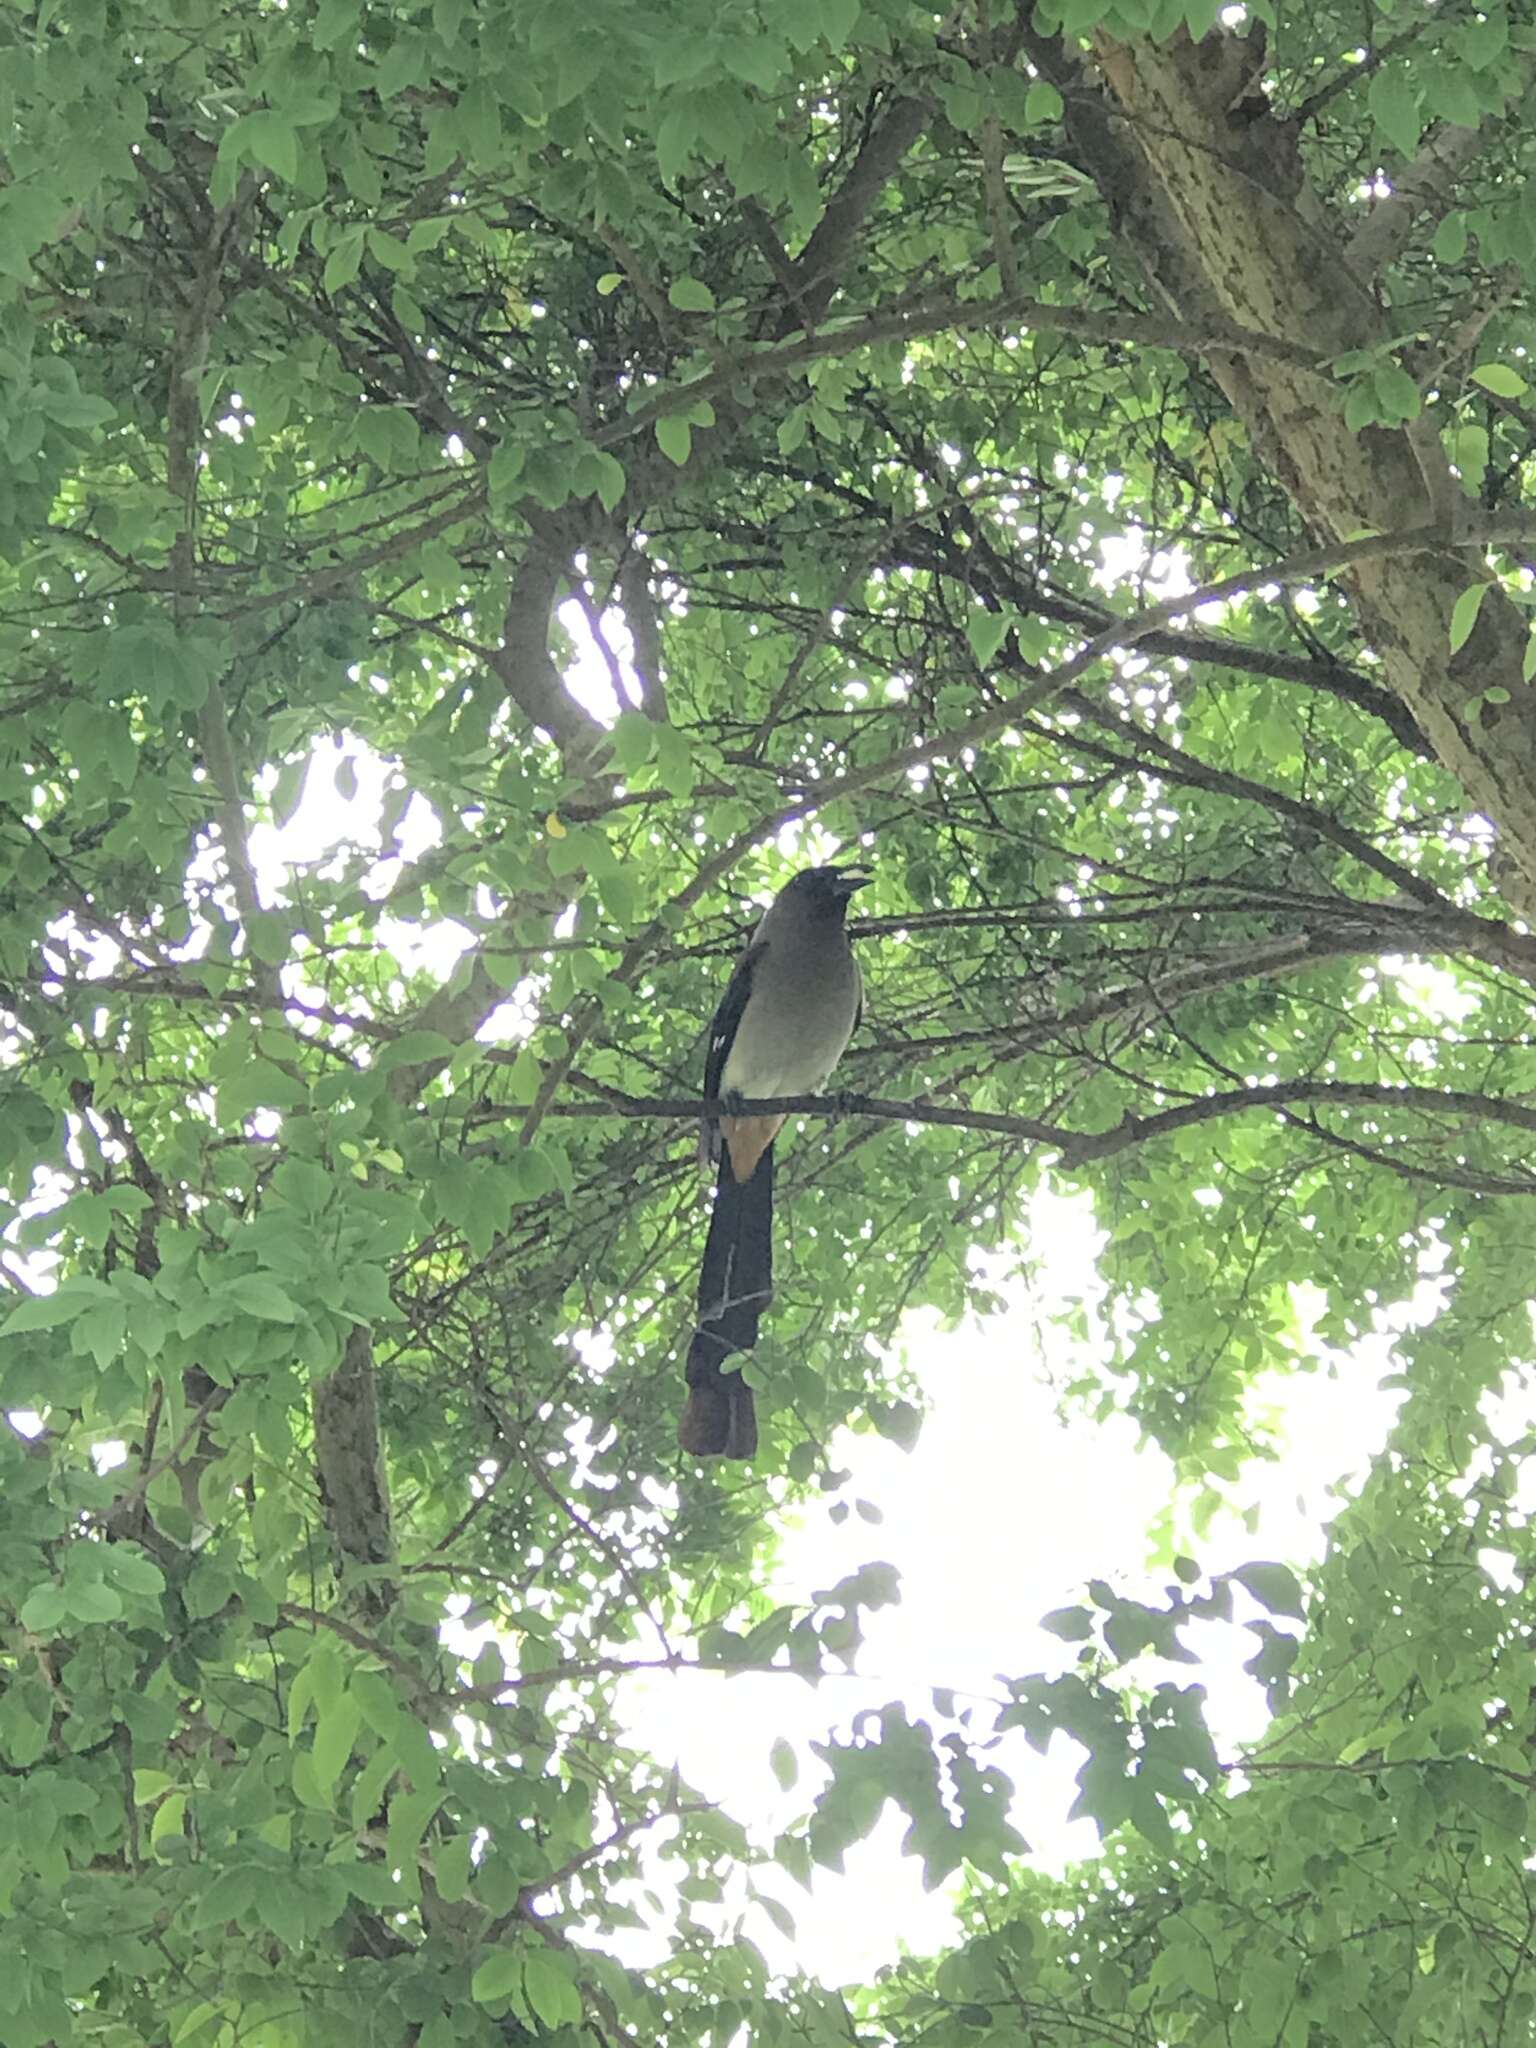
x=845, y=1102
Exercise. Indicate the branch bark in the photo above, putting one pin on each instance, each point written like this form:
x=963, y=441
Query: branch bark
x=1082, y=1148
x=349, y=1459
x=644, y=622
x=523, y=662
x=1427, y=184
x=943, y=313
x=831, y=241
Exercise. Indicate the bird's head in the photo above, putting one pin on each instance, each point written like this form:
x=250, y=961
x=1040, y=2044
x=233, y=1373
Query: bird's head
x=827, y=890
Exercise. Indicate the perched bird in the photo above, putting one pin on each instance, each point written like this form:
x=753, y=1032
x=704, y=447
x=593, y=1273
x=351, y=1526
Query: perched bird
x=788, y=1011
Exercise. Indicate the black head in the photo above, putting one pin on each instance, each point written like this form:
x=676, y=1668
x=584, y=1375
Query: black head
x=826, y=890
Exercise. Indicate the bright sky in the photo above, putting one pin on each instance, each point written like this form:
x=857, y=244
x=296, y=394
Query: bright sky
x=999, y=1516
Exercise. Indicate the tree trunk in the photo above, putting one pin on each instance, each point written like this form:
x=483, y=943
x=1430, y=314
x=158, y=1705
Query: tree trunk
x=1209, y=185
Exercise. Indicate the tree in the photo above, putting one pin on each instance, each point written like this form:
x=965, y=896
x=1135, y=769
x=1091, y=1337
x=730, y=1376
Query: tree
x=1076, y=454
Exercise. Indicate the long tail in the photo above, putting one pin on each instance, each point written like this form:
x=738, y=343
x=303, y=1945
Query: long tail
x=735, y=1285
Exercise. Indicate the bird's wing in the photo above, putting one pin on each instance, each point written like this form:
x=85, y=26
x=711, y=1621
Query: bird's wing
x=722, y=1033
x=723, y=1025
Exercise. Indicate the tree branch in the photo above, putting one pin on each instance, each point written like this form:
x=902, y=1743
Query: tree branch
x=643, y=619
x=349, y=1459
x=999, y=212
x=993, y=574
x=184, y=432
x=524, y=665
x=1077, y=1148
x=1427, y=183
x=820, y=262
x=1180, y=766
x=943, y=314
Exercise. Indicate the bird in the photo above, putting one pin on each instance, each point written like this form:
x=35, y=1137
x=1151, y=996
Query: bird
x=792, y=1003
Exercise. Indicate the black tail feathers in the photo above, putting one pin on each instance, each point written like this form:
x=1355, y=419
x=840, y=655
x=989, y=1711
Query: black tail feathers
x=735, y=1286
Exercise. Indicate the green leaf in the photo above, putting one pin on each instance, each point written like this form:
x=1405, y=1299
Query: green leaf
x=100, y=1332
x=1273, y=1585
x=269, y=140
x=479, y=124
x=403, y=64
x=611, y=479
x=415, y=1048
x=311, y=109
x=365, y=1294
x=345, y=259
x=1362, y=408
x=675, y=766
x=497, y=1977
x=986, y=631
x=1072, y=1624
x=369, y=1789
x=507, y=462
x=255, y=1295
x=802, y=1461
x=1464, y=614
x=674, y=437
x=78, y=409
x=270, y=937
x=209, y=1587
x=1394, y=105
x=552, y=1997
x=451, y=1864
x=778, y=1913
x=1450, y=240
x=68, y=1300
x=675, y=141
x=43, y=1610
x=169, y=1821
x=336, y=22
x=1397, y=393
x=786, y=1765
x=385, y=250
x=336, y=1729
x=228, y=1896
x=1042, y=104
x=129, y=1569
x=90, y=1600
x=410, y=1814
x=838, y=19
x=690, y=296
x=1501, y=380
x=898, y=1421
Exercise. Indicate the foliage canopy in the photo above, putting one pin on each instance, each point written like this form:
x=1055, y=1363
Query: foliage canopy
x=849, y=399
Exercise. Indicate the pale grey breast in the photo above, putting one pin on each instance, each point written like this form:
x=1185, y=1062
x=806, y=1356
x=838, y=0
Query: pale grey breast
x=797, y=1021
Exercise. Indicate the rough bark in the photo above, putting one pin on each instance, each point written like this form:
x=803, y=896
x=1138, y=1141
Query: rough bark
x=349, y=1459
x=1210, y=187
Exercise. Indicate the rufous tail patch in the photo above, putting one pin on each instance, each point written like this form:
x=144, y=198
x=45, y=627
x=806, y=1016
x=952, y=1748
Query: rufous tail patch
x=747, y=1138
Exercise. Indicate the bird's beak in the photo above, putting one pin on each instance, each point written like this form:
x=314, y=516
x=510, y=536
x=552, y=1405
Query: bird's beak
x=849, y=879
